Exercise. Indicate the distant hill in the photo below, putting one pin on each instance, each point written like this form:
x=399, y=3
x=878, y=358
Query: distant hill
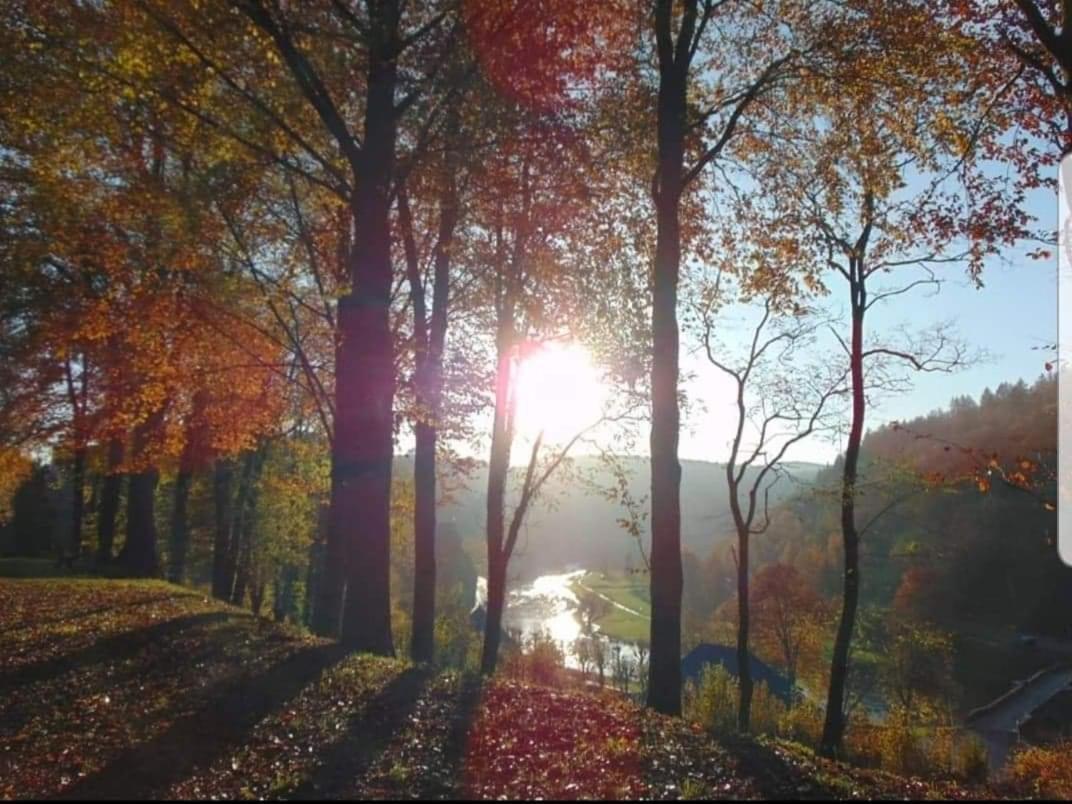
x=574, y=525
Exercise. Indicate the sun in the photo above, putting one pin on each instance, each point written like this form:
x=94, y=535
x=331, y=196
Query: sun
x=559, y=392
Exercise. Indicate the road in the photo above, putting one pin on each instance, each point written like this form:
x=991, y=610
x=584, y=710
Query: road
x=999, y=726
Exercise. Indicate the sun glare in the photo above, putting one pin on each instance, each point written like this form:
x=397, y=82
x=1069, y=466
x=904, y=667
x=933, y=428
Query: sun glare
x=559, y=392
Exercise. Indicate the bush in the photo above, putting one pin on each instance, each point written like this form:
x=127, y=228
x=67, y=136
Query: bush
x=907, y=747
x=971, y=761
x=713, y=704
x=1044, y=772
x=540, y=660
x=802, y=723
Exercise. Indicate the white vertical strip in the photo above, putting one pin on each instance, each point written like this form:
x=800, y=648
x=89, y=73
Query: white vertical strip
x=1064, y=361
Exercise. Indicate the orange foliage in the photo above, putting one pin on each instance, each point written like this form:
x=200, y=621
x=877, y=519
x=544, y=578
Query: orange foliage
x=541, y=53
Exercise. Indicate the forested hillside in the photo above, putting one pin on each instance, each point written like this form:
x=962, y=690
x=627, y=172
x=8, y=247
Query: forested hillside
x=959, y=536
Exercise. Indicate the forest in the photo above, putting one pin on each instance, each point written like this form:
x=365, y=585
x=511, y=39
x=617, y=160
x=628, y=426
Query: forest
x=503, y=398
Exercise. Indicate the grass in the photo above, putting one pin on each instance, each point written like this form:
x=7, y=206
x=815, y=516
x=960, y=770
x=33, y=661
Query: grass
x=141, y=689
x=628, y=591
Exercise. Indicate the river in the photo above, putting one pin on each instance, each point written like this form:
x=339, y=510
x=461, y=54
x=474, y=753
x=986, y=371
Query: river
x=550, y=605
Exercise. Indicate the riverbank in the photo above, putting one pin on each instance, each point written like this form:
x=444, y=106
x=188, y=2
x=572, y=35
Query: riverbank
x=620, y=602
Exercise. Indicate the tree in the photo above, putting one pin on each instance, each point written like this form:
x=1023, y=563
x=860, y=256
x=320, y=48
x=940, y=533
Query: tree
x=682, y=63
x=782, y=414
x=429, y=342
x=356, y=159
x=847, y=193
x=786, y=610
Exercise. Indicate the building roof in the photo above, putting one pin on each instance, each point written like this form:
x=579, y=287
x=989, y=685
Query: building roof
x=707, y=654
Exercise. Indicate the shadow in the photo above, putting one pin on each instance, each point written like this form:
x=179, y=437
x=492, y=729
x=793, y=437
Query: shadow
x=367, y=736
x=196, y=740
x=33, y=623
x=773, y=777
x=184, y=649
x=469, y=694
x=107, y=649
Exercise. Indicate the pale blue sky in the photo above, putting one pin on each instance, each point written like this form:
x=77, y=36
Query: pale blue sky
x=1013, y=318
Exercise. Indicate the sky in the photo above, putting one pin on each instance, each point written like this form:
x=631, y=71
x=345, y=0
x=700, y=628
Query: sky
x=1012, y=319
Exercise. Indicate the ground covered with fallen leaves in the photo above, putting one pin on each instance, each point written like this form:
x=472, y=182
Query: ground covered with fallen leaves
x=120, y=689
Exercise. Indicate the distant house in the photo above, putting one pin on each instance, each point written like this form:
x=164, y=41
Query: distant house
x=707, y=655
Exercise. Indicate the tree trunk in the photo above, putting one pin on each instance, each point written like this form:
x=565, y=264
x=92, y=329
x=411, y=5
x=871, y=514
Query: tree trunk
x=498, y=467
x=109, y=502
x=430, y=339
x=360, y=533
x=223, y=480
x=236, y=531
x=664, y=669
x=244, y=531
x=180, y=534
x=493, y=620
x=744, y=656
x=78, y=483
x=834, y=725
x=138, y=556
x=422, y=648
x=256, y=597
x=283, y=599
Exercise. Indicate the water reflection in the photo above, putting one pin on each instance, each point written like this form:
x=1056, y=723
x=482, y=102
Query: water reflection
x=549, y=605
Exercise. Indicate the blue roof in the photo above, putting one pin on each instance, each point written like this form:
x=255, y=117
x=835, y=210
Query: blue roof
x=706, y=654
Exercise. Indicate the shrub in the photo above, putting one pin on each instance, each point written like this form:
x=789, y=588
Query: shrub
x=713, y=704
x=802, y=723
x=767, y=711
x=1044, y=772
x=901, y=747
x=971, y=760
x=540, y=660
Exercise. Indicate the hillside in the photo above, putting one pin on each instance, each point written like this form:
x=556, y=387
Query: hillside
x=142, y=689
x=575, y=525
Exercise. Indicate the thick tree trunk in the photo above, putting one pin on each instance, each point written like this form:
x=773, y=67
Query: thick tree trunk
x=223, y=480
x=498, y=467
x=179, y=544
x=493, y=620
x=664, y=669
x=192, y=452
x=360, y=533
x=244, y=529
x=232, y=554
x=244, y=568
x=834, y=725
x=138, y=556
x=109, y=502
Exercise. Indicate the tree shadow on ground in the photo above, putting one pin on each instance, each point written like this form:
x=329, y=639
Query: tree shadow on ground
x=469, y=694
x=107, y=649
x=233, y=707
x=773, y=776
x=367, y=736
x=33, y=623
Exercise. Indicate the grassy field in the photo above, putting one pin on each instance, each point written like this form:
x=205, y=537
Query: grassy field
x=630, y=592
x=141, y=689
